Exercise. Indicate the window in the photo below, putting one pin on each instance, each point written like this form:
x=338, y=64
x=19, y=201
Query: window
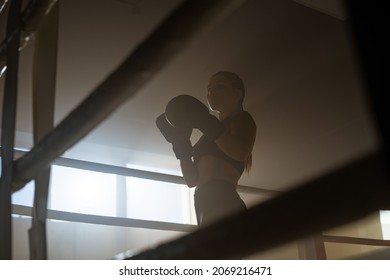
x=25, y=196
x=96, y=193
x=385, y=222
x=158, y=201
x=82, y=191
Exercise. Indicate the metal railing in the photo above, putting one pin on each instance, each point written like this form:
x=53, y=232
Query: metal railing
x=151, y=55
x=329, y=201
x=347, y=194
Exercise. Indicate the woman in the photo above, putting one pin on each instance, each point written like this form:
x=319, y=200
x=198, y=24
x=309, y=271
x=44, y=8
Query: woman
x=216, y=162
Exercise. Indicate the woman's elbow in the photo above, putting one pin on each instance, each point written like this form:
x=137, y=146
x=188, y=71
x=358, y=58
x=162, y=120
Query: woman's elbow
x=191, y=180
x=191, y=183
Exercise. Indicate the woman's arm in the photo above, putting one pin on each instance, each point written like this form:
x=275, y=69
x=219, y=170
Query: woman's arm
x=238, y=139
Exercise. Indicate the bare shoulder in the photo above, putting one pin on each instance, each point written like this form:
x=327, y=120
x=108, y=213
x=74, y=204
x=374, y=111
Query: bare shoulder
x=244, y=120
x=243, y=125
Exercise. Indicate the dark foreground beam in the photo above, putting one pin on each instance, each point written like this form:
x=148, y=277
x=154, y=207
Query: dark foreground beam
x=342, y=196
x=44, y=88
x=8, y=124
x=172, y=36
x=369, y=21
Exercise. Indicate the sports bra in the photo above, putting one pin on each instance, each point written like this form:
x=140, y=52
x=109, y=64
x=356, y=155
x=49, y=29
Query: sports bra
x=205, y=146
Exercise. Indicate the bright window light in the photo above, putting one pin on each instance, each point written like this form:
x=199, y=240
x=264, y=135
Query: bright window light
x=385, y=223
x=81, y=191
x=87, y=192
x=25, y=196
x=385, y=217
x=158, y=201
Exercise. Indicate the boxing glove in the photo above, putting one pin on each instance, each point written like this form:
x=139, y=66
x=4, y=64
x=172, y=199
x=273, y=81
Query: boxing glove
x=185, y=111
x=178, y=137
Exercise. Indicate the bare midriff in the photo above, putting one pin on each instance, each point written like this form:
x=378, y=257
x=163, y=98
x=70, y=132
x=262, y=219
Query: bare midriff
x=213, y=168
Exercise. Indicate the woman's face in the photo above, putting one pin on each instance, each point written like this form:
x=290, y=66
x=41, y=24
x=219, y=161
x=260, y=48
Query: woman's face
x=221, y=93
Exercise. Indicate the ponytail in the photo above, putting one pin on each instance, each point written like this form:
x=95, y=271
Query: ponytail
x=248, y=163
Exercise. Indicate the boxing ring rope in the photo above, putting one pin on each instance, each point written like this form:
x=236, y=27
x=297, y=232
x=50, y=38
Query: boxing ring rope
x=258, y=228
x=36, y=20
x=134, y=223
x=355, y=240
x=306, y=210
x=313, y=248
x=320, y=252
x=144, y=174
x=107, y=221
x=136, y=70
x=343, y=196
x=172, y=36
